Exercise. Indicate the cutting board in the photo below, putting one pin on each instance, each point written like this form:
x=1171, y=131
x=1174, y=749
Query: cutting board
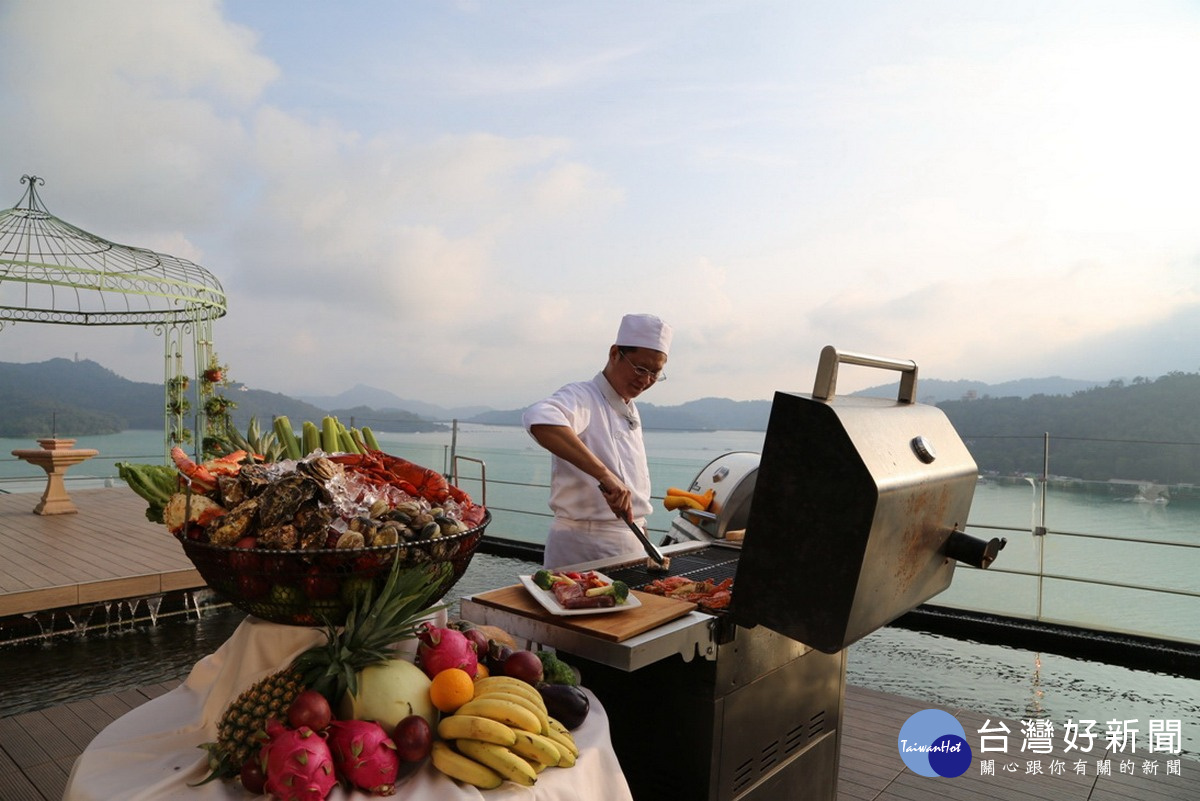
x=613, y=626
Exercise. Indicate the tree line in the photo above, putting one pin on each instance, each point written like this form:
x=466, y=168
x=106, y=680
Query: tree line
x=1143, y=430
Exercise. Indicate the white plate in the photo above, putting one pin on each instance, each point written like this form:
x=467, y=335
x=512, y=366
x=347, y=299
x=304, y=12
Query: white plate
x=551, y=604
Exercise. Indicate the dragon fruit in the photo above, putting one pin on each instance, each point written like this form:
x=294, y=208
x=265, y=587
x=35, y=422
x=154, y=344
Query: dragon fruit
x=364, y=755
x=299, y=763
x=445, y=648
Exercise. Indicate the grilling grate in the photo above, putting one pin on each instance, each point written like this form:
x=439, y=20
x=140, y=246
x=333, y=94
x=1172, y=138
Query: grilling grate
x=715, y=563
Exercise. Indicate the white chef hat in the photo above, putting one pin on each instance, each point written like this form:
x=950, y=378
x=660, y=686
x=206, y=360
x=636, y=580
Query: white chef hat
x=644, y=331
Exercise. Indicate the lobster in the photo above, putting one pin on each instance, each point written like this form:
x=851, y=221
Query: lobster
x=203, y=477
x=400, y=473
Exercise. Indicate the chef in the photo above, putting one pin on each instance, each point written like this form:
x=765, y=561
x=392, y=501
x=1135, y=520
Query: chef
x=599, y=477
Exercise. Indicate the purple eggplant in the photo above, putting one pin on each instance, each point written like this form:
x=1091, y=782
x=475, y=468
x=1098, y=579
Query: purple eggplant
x=566, y=704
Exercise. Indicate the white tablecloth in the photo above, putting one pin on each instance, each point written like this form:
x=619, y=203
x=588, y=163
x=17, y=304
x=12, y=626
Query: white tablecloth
x=152, y=752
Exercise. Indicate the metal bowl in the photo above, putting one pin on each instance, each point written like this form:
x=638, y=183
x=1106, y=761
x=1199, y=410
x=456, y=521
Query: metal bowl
x=311, y=587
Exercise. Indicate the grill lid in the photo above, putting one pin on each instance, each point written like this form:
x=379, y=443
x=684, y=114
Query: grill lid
x=855, y=501
x=731, y=477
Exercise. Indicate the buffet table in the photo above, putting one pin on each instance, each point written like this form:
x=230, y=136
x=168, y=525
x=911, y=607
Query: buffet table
x=153, y=751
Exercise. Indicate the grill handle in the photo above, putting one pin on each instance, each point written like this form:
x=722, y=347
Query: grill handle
x=825, y=385
x=963, y=547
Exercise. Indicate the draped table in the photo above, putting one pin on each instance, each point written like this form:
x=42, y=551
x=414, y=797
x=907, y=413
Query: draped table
x=152, y=753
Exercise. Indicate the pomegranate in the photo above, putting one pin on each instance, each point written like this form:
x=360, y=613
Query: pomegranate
x=254, y=779
x=524, y=665
x=310, y=709
x=413, y=738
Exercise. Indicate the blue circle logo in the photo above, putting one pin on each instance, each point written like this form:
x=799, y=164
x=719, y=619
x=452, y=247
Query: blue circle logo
x=933, y=743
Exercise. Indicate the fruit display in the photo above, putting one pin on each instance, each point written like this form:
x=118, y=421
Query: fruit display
x=349, y=711
x=292, y=541
x=362, y=544
x=375, y=627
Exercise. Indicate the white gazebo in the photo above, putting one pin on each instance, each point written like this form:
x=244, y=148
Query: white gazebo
x=52, y=272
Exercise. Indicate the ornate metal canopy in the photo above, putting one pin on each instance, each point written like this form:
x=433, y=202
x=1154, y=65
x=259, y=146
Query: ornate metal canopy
x=54, y=272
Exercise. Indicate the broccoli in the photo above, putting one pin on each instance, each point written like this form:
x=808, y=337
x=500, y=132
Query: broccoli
x=619, y=590
x=556, y=671
x=547, y=579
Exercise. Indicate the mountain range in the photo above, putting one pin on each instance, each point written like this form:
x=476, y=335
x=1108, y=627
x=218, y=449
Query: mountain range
x=75, y=397
x=1139, y=431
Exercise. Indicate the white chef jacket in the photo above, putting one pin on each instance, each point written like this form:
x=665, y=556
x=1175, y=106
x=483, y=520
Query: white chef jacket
x=584, y=527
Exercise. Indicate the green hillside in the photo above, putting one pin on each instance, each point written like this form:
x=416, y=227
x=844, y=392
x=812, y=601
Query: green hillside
x=1142, y=431
x=1147, y=430
x=81, y=398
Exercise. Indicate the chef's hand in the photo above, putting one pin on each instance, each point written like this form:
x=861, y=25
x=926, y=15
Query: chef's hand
x=618, y=496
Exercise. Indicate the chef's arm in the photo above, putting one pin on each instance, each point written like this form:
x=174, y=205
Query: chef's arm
x=563, y=442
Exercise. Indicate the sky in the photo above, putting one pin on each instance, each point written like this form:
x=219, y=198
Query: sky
x=457, y=201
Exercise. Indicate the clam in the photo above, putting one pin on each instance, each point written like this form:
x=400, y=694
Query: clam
x=320, y=468
x=385, y=535
x=351, y=539
x=410, y=508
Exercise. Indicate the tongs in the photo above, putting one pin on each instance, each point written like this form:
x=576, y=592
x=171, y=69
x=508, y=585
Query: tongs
x=651, y=549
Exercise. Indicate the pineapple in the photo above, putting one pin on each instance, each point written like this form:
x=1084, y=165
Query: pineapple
x=242, y=729
x=373, y=626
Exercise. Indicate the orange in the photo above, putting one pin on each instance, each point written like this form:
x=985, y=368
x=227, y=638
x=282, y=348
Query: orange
x=481, y=672
x=451, y=688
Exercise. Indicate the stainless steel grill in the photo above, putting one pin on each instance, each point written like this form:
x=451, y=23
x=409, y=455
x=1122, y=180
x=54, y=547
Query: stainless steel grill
x=853, y=515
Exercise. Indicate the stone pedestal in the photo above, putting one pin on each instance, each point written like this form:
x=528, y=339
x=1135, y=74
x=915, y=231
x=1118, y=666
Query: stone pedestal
x=55, y=456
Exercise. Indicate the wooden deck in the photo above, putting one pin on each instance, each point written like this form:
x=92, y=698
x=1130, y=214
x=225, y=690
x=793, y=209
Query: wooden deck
x=107, y=551
x=37, y=750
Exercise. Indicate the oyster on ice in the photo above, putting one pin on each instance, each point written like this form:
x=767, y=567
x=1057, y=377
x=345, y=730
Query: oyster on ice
x=281, y=499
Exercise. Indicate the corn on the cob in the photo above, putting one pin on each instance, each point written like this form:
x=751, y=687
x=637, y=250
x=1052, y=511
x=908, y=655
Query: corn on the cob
x=369, y=439
x=344, y=439
x=287, y=437
x=330, y=442
x=310, y=437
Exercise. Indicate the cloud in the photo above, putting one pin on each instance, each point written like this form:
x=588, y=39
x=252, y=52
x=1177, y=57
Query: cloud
x=134, y=105
x=458, y=203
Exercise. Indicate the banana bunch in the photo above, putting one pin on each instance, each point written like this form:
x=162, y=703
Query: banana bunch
x=504, y=732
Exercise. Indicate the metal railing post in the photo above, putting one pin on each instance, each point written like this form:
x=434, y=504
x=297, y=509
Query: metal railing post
x=1039, y=529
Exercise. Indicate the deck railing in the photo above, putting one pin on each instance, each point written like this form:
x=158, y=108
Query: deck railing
x=1054, y=570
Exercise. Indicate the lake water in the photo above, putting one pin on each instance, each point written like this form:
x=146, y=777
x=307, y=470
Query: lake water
x=1145, y=544
x=1060, y=577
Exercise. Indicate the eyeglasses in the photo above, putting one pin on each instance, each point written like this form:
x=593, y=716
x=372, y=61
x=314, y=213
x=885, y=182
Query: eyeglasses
x=643, y=372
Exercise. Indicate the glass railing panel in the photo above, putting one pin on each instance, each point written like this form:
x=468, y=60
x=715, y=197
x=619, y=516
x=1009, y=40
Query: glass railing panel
x=1145, y=613
x=994, y=591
